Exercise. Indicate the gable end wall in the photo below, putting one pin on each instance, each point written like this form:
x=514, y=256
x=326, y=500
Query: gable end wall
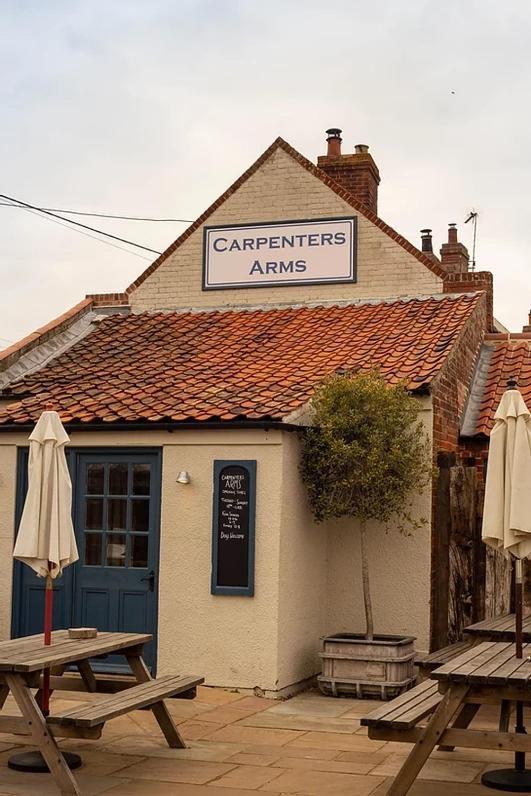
x=281, y=189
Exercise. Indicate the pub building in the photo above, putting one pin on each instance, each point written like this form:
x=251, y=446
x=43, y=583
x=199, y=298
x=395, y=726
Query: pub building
x=184, y=397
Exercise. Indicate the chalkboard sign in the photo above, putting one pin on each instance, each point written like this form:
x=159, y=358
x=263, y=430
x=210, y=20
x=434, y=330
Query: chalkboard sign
x=233, y=527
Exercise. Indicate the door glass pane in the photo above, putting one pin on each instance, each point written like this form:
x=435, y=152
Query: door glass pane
x=139, y=551
x=93, y=549
x=141, y=479
x=115, y=550
x=116, y=514
x=118, y=479
x=140, y=515
x=94, y=514
x=95, y=479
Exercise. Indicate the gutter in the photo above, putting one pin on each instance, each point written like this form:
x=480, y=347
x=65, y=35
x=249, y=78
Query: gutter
x=266, y=425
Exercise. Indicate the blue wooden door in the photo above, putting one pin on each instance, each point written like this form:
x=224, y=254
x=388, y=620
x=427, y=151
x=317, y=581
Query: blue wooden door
x=117, y=529
x=114, y=584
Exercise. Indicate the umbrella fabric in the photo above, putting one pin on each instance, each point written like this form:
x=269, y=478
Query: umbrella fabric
x=46, y=540
x=507, y=507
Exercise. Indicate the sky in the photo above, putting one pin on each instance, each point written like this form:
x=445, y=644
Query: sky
x=155, y=108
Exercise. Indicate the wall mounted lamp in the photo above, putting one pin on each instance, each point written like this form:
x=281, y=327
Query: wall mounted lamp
x=183, y=477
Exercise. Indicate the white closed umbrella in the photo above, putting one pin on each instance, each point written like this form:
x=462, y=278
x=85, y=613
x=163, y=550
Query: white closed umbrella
x=46, y=540
x=507, y=527
x=507, y=508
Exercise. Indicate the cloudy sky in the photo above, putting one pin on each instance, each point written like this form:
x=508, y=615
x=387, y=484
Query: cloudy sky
x=154, y=108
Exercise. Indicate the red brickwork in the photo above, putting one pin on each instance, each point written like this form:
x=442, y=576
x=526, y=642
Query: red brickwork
x=470, y=282
x=357, y=173
x=450, y=388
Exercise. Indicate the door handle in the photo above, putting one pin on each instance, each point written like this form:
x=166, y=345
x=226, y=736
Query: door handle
x=150, y=580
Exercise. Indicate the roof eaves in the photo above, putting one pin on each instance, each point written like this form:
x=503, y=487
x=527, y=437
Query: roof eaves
x=279, y=143
x=9, y=355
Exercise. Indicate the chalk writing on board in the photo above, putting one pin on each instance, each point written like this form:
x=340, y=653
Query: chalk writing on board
x=233, y=526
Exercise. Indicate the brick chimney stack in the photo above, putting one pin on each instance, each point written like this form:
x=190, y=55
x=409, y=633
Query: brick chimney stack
x=454, y=255
x=528, y=327
x=357, y=173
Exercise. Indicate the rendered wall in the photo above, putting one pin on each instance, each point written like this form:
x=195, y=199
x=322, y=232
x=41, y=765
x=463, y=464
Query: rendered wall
x=303, y=576
x=232, y=641
x=283, y=190
x=8, y=476
x=399, y=573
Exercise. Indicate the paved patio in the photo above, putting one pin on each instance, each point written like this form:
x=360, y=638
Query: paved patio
x=310, y=745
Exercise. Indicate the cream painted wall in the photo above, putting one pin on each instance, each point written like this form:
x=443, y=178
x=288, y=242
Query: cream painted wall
x=307, y=575
x=400, y=568
x=283, y=190
x=302, y=575
x=8, y=476
x=232, y=641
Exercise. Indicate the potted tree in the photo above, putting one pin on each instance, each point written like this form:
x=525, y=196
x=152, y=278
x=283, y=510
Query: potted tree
x=365, y=456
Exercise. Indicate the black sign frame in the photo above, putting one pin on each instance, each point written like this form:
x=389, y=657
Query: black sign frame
x=248, y=471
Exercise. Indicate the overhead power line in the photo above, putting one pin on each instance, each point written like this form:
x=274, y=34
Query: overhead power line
x=104, y=215
x=86, y=234
x=27, y=206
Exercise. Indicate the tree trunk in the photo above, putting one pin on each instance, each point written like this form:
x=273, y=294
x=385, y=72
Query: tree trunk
x=369, y=634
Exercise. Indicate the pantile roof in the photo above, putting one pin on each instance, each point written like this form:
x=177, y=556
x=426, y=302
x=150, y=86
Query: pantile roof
x=234, y=365
x=508, y=358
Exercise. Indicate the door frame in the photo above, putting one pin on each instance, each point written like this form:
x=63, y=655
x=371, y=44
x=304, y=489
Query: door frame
x=73, y=455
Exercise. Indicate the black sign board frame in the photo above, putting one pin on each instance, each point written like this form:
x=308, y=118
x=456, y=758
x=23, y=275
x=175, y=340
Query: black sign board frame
x=234, y=576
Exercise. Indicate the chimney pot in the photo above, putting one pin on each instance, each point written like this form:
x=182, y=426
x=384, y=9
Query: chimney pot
x=361, y=149
x=452, y=233
x=334, y=142
x=427, y=244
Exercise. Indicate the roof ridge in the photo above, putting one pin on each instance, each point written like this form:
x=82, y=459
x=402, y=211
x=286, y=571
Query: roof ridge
x=325, y=304
x=280, y=143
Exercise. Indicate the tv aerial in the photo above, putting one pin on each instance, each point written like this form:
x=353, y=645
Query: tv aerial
x=473, y=217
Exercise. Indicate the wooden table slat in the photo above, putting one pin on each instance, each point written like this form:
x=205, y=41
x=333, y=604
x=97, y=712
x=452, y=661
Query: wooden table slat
x=403, y=701
x=65, y=650
x=463, y=660
x=139, y=696
x=503, y=661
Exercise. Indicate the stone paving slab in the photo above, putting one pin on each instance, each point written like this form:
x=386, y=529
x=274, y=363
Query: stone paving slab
x=239, y=745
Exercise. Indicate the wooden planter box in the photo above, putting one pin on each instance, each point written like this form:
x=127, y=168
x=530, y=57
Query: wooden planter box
x=353, y=666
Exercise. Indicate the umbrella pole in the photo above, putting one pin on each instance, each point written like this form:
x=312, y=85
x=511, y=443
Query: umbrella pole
x=48, y=613
x=517, y=779
x=519, y=757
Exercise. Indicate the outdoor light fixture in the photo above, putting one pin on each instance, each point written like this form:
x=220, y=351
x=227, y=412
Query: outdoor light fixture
x=183, y=477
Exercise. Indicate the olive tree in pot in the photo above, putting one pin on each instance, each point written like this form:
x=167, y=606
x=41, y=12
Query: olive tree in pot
x=365, y=456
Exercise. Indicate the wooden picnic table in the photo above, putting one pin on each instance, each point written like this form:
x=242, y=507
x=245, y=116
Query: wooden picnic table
x=501, y=628
x=486, y=674
x=22, y=661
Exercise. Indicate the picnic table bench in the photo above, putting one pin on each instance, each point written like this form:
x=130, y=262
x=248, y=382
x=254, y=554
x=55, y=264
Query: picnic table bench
x=487, y=674
x=21, y=665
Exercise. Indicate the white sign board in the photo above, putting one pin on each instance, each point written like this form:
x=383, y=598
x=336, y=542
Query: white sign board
x=283, y=253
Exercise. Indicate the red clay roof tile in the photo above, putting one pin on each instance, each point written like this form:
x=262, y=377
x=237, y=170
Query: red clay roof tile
x=260, y=364
x=509, y=358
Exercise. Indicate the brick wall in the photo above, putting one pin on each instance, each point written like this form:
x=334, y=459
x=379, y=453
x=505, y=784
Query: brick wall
x=357, y=173
x=468, y=283
x=451, y=386
x=282, y=189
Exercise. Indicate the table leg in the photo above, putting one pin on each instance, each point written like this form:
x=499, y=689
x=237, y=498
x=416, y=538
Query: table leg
x=448, y=706
x=87, y=675
x=159, y=709
x=4, y=691
x=41, y=735
x=505, y=715
x=462, y=721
